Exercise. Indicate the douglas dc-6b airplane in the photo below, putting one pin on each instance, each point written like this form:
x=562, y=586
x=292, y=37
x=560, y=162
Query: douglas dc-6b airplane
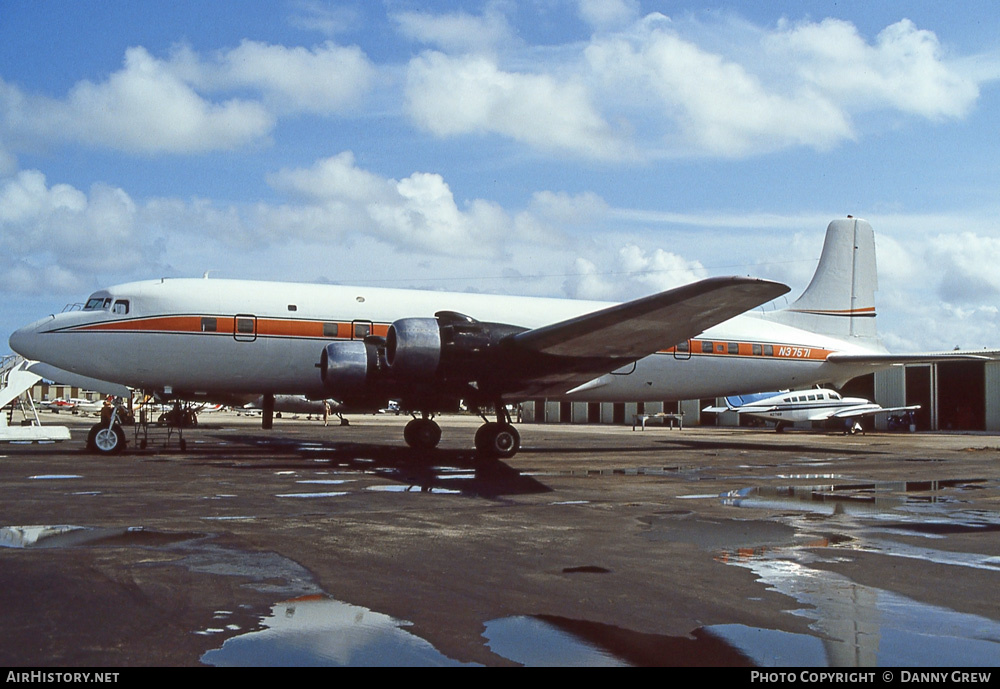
x=208, y=339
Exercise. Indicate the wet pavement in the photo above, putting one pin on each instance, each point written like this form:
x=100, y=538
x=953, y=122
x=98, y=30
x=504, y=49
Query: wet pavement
x=312, y=545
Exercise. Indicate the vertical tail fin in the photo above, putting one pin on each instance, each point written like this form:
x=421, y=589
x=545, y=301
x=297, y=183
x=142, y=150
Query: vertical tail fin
x=840, y=300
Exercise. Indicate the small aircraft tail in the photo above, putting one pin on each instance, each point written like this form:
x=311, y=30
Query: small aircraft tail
x=840, y=300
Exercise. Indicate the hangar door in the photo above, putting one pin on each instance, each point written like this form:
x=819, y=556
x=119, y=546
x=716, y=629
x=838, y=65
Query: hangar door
x=961, y=396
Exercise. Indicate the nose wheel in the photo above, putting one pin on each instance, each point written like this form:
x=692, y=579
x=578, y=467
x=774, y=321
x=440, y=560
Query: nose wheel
x=106, y=440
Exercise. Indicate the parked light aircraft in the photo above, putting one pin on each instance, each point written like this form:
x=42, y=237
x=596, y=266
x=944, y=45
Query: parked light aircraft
x=786, y=408
x=297, y=404
x=209, y=338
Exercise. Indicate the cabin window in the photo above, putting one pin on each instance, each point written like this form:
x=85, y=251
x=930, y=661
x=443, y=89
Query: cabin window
x=720, y=347
x=706, y=347
x=812, y=398
x=244, y=325
x=329, y=330
x=293, y=307
x=120, y=307
x=757, y=350
x=787, y=399
x=683, y=346
x=362, y=330
x=768, y=350
x=734, y=347
x=209, y=325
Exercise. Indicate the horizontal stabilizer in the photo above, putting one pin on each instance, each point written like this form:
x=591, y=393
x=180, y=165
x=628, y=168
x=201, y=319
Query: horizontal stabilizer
x=882, y=360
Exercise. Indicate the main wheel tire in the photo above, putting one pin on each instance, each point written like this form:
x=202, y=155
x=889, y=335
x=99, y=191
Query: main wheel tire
x=106, y=440
x=422, y=434
x=498, y=440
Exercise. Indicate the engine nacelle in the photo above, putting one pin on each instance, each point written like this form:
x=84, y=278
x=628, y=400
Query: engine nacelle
x=348, y=366
x=413, y=348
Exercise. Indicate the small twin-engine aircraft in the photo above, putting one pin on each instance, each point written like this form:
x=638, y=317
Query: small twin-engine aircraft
x=206, y=339
x=785, y=408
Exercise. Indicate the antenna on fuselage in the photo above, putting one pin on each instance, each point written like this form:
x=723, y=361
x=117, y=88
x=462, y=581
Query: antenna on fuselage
x=205, y=276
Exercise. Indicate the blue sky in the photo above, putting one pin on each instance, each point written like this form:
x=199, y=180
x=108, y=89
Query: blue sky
x=602, y=150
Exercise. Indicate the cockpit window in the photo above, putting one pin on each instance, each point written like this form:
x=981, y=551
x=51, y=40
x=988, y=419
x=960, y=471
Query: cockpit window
x=97, y=303
x=120, y=307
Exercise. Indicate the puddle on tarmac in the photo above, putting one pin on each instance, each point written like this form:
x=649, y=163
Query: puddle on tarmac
x=413, y=489
x=326, y=481
x=874, y=500
x=860, y=625
x=863, y=626
x=66, y=535
x=332, y=494
x=549, y=641
x=319, y=631
x=630, y=471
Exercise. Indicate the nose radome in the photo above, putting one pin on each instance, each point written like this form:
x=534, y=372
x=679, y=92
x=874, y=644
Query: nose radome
x=24, y=340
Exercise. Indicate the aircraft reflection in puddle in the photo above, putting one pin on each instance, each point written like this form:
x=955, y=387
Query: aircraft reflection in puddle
x=862, y=625
x=319, y=631
x=893, y=499
x=57, y=535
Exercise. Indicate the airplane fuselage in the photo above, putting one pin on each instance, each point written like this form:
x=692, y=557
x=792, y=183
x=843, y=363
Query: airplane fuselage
x=191, y=337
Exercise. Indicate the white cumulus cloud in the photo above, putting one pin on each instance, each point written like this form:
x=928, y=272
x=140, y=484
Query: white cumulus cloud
x=451, y=96
x=457, y=31
x=418, y=211
x=904, y=69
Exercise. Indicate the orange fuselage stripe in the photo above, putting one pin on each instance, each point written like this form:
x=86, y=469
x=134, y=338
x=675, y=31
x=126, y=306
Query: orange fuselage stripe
x=324, y=330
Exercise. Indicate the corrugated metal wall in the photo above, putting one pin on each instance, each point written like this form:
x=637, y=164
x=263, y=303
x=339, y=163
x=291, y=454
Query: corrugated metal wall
x=992, y=375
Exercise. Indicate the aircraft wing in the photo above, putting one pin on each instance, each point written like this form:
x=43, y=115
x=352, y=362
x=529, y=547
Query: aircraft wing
x=882, y=360
x=559, y=357
x=852, y=413
x=740, y=410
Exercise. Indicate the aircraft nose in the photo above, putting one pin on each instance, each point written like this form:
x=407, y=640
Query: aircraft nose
x=25, y=341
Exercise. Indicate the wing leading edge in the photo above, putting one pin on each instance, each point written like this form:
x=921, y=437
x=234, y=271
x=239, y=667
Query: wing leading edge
x=561, y=356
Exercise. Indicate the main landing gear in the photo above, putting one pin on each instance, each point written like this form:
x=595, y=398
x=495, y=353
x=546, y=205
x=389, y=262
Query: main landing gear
x=498, y=439
x=494, y=439
x=422, y=433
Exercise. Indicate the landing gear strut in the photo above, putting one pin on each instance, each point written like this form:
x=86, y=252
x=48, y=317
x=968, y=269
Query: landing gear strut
x=498, y=439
